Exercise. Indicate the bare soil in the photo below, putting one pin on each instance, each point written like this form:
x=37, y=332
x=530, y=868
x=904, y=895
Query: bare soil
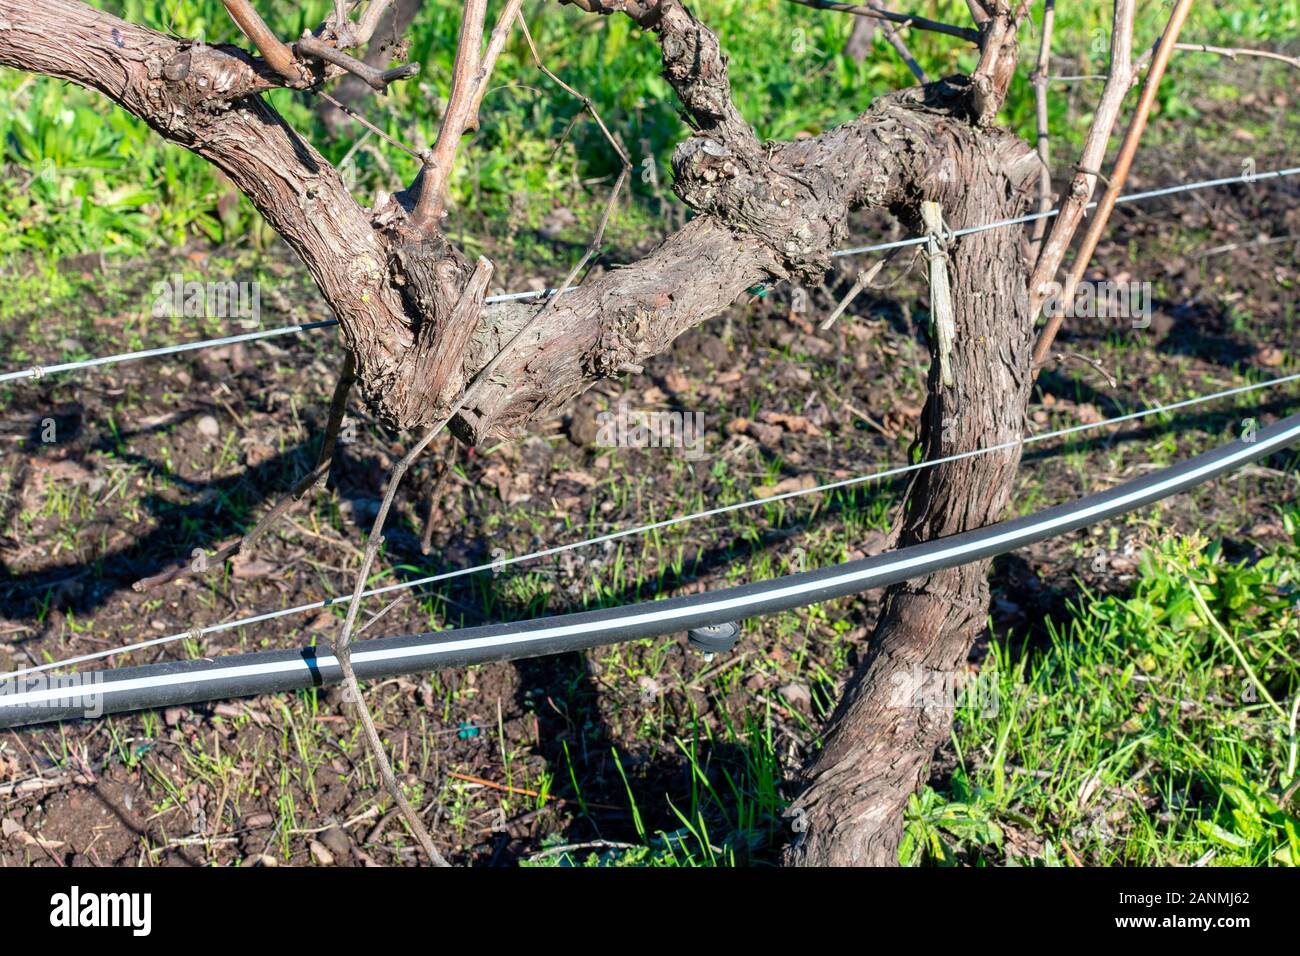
x=156, y=458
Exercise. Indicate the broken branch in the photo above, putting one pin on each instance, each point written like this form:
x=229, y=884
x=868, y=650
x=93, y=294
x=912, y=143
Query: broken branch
x=377, y=79
x=889, y=16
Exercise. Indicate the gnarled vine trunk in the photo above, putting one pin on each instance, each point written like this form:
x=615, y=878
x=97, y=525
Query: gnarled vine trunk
x=880, y=740
x=411, y=305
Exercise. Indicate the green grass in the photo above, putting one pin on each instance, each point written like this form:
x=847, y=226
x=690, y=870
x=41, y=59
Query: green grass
x=1146, y=732
x=1137, y=730
x=78, y=175
x=1130, y=733
x=1156, y=728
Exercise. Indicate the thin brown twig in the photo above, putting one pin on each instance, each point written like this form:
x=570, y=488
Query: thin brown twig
x=523, y=791
x=900, y=47
x=471, y=297
x=376, y=78
x=1040, y=79
x=352, y=688
x=1062, y=357
x=1143, y=61
x=1118, y=176
x=277, y=55
x=343, y=107
x=343, y=544
x=889, y=16
x=384, y=610
x=587, y=104
x=861, y=282
x=1233, y=52
x=1233, y=246
x=342, y=646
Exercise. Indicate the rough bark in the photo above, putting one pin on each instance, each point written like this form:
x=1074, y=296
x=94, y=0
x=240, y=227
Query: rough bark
x=880, y=740
x=767, y=216
x=203, y=98
x=766, y=212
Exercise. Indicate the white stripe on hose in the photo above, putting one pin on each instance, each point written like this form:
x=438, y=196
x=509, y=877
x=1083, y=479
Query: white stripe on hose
x=650, y=617
x=642, y=529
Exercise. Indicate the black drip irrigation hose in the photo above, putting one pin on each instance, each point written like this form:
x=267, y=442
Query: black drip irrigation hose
x=45, y=697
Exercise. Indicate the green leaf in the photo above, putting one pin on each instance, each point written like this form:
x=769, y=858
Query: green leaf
x=1216, y=832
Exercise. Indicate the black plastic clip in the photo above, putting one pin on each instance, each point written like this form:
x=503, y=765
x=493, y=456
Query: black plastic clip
x=714, y=638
